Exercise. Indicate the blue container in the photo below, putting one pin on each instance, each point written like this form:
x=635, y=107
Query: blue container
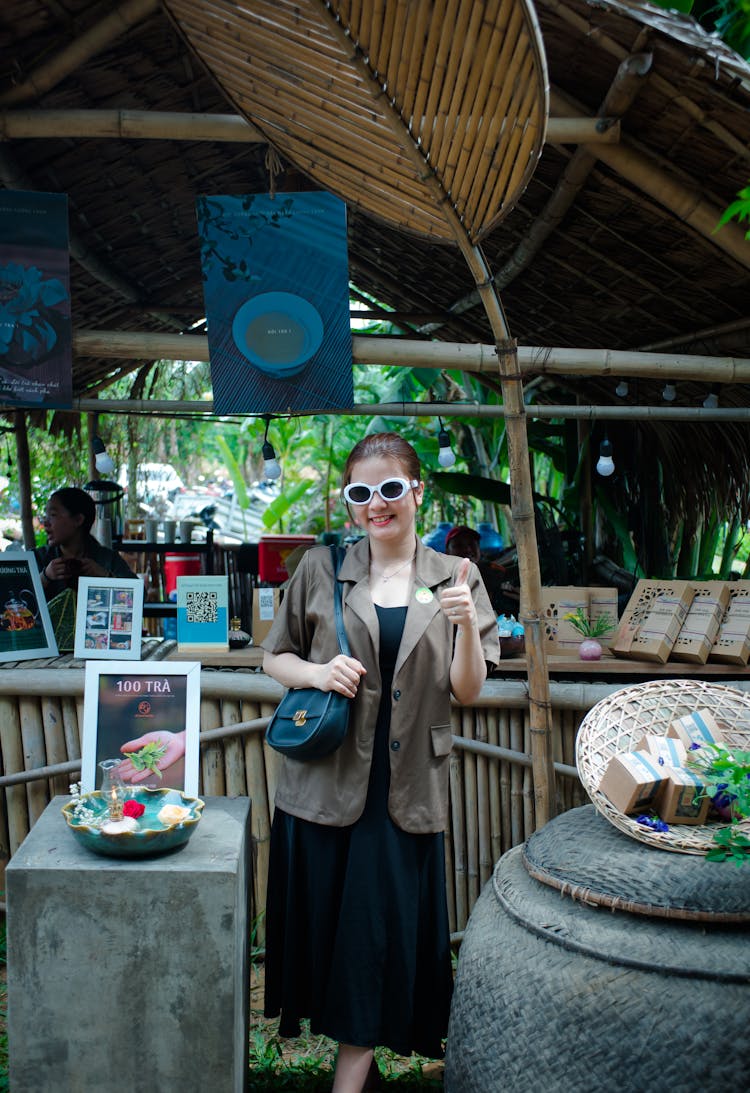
x=169, y=626
x=490, y=541
x=436, y=539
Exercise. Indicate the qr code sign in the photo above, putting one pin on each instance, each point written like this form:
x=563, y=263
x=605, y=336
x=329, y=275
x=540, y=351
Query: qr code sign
x=202, y=606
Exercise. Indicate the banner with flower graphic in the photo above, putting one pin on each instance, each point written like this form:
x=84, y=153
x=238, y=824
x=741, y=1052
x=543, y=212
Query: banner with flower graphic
x=36, y=365
x=276, y=288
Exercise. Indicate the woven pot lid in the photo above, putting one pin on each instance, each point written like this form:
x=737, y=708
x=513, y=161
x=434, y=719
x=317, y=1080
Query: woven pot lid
x=619, y=721
x=689, y=950
x=425, y=113
x=586, y=858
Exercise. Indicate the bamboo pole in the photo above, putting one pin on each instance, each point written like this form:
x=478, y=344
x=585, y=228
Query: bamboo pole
x=79, y=50
x=471, y=810
x=516, y=780
x=32, y=740
x=477, y=410
x=212, y=756
x=492, y=718
x=54, y=742
x=685, y=202
x=522, y=510
x=530, y=795
x=505, y=780
x=492, y=751
x=483, y=804
x=458, y=838
x=260, y=819
x=672, y=93
x=450, y=870
x=235, y=779
x=412, y=353
x=159, y=125
x=499, y=693
x=12, y=755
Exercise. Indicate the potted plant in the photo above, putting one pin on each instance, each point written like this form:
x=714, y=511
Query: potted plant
x=590, y=630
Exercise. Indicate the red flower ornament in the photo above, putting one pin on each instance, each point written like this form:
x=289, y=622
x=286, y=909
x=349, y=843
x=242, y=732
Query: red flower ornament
x=133, y=808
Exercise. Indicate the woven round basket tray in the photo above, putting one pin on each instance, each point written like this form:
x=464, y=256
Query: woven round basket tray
x=618, y=722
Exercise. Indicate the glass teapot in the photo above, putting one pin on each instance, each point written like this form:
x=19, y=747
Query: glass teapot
x=19, y=611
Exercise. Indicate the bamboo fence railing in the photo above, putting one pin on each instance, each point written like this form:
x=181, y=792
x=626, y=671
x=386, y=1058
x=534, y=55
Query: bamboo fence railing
x=492, y=802
x=491, y=794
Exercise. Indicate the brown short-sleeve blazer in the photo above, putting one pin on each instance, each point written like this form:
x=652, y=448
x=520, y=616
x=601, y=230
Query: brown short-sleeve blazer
x=333, y=790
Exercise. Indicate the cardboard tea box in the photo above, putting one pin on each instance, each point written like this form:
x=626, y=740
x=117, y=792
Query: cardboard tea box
x=652, y=620
x=561, y=600
x=265, y=606
x=732, y=644
x=633, y=781
x=557, y=602
x=667, y=750
x=701, y=626
x=603, y=604
x=698, y=727
x=682, y=800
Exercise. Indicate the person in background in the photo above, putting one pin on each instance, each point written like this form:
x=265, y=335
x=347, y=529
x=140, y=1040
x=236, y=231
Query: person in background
x=357, y=932
x=72, y=551
x=463, y=542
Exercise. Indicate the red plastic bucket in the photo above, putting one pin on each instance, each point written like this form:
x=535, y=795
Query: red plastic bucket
x=179, y=565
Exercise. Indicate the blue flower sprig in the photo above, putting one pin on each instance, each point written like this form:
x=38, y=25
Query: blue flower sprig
x=652, y=822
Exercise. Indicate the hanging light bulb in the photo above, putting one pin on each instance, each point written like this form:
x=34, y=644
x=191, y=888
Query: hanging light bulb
x=605, y=464
x=102, y=459
x=622, y=389
x=711, y=401
x=271, y=465
x=669, y=392
x=446, y=455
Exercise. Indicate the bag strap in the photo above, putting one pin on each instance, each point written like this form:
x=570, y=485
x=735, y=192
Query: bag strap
x=337, y=555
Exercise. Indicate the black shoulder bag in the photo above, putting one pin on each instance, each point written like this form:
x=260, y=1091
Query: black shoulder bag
x=308, y=723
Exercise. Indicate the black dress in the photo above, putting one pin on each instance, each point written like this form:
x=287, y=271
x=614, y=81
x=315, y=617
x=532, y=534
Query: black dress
x=357, y=935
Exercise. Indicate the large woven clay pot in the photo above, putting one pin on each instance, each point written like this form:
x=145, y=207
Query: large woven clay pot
x=614, y=966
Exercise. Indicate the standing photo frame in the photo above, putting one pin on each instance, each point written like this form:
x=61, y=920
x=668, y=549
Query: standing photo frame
x=148, y=715
x=26, y=630
x=109, y=616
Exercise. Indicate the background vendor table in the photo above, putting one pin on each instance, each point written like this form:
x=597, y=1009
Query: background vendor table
x=130, y=973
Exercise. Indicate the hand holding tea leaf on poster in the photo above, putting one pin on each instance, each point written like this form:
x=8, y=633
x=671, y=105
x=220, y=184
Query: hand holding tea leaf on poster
x=150, y=755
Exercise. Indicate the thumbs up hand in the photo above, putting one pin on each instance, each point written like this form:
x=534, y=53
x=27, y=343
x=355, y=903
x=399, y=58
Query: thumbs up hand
x=456, y=601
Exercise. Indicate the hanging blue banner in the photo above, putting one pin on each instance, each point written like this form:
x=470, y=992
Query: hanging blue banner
x=276, y=288
x=36, y=366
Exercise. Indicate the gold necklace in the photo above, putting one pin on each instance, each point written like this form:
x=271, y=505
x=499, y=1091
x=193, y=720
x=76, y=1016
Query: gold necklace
x=386, y=578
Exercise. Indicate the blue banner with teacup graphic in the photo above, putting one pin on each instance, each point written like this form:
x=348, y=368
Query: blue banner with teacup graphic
x=276, y=289
x=36, y=365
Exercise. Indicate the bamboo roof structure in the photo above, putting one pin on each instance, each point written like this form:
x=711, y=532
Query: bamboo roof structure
x=611, y=244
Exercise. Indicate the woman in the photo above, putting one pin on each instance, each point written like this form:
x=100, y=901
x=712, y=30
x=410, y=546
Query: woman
x=72, y=551
x=357, y=935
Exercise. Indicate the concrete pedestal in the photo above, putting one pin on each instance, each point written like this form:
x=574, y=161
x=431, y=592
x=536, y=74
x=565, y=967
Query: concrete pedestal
x=130, y=974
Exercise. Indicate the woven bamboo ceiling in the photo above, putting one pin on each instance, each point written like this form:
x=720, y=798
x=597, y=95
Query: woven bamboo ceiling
x=593, y=245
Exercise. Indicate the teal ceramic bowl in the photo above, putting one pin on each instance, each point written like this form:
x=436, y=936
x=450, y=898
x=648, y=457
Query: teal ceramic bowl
x=152, y=836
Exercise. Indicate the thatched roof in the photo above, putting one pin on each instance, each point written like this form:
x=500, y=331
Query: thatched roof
x=610, y=245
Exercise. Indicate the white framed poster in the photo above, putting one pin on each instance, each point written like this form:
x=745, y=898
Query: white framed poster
x=109, y=616
x=26, y=629
x=148, y=715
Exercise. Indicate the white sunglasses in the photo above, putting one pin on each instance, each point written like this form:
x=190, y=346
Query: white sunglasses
x=390, y=489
